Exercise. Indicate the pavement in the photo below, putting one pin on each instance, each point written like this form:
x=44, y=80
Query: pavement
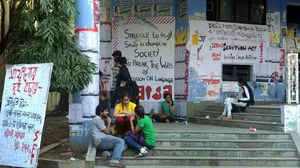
x=190, y=127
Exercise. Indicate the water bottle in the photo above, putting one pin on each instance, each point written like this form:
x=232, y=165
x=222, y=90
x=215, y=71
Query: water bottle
x=184, y=123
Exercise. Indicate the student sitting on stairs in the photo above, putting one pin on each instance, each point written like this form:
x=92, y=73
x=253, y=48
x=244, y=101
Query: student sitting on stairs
x=145, y=125
x=100, y=127
x=245, y=98
x=167, y=110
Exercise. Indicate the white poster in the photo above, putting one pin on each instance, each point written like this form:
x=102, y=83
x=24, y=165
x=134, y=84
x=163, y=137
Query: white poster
x=149, y=48
x=23, y=112
x=227, y=42
x=273, y=21
x=230, y=87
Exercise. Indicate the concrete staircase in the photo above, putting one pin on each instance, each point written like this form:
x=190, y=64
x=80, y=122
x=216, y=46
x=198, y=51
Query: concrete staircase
x=213, y=149
x=260, y=117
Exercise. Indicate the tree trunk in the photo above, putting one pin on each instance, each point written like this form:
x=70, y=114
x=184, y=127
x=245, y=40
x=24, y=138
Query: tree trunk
x=63, y=105
x=2, y=20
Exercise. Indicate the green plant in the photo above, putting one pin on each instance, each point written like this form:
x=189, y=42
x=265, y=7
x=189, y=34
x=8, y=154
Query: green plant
x=41, y=31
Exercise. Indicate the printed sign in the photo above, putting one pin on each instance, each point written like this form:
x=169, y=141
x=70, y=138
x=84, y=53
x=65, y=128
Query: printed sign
x=23, y=112
x=149, y=49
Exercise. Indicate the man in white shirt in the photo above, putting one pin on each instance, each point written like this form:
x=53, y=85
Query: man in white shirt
x=103, y=141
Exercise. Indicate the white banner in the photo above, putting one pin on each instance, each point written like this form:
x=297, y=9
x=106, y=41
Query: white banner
x=149, y=48
x=22, y=114
x=227, y=42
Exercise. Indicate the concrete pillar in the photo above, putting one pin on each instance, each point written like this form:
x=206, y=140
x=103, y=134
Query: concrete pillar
x=87, y=24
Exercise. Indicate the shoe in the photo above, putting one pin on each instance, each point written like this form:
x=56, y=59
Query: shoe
x=227, y=118
x=221, y=117
x=143, y=152
x=153, y=120
x=116, y=165
x=167, y=121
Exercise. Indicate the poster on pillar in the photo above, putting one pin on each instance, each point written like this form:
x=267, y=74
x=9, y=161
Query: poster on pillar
x=149, y=48
x=23, y=111
x=227, y=42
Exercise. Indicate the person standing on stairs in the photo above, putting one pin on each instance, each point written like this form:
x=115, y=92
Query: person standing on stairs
x=145, y=125
x=243, y=99
x=103, y=141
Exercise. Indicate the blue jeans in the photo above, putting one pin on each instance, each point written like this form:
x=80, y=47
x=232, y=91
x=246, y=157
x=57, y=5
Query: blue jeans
x=135, y=143
x=114, y=144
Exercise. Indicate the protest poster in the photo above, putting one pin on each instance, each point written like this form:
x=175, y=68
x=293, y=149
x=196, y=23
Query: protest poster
x=23, y=111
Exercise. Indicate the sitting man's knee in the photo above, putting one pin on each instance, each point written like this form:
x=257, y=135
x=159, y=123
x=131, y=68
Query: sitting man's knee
x=122, y=141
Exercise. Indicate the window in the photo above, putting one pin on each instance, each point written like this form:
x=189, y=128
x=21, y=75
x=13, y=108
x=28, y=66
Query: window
x=240, y=11
x=233, y=72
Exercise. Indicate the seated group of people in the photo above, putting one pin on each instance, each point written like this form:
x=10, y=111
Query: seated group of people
x=132, y=124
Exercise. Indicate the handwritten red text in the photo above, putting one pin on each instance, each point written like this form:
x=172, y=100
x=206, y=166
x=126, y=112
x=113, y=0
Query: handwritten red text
x=147, y=92
x=27, y=76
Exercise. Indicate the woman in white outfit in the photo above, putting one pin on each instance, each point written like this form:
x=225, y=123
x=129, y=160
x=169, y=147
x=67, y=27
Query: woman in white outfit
x=243, y=99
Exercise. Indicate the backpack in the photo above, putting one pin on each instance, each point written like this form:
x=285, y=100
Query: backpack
x=133, y=89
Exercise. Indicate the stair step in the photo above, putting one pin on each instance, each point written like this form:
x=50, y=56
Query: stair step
x=241, y=116
x=141, y=166
x=220, y=143
x=216, y=152
x=252, y=109
x=212, y=135
x=236, y=123
x=207, y=161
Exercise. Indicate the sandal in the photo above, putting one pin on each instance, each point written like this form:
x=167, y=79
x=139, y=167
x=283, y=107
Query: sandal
x=116, y=165
x=227, y=118
x=221, y=117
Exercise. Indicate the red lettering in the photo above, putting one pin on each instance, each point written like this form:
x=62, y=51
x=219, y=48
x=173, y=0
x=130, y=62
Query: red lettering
x=141, y=92
x=167, y=89
x=21, y=73
x=16, y=145
x=216, y=56
x=32, y=152
x=36, y=135
x=217, y=45
x=147, y=92
x=25, y=148
x=32, y=72
x=31, y=88
x=20, y=135
x=24, y=74
x=16, y=87
x=157, y=95
x=9, y=133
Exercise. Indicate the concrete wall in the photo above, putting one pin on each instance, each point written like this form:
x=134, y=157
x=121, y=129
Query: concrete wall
x=275, y=92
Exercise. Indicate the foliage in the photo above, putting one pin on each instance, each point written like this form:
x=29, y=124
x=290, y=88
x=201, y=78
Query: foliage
x=41, y=31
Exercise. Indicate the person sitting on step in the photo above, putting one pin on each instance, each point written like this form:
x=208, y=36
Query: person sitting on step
x=103, y=141
x=145, y=125
x=123, y=112
x=245, y=98
x=167, y=110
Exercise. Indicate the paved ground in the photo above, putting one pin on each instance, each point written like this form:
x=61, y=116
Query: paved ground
x=185, y=167
x=178, y=127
